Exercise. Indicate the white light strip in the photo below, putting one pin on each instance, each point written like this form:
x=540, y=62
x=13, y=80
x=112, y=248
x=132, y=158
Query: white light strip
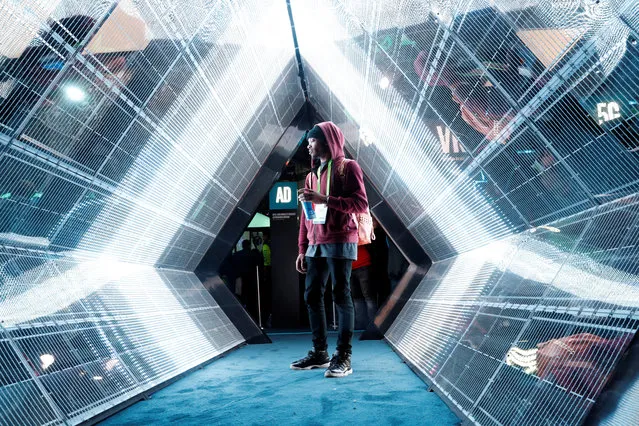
x=50, y=289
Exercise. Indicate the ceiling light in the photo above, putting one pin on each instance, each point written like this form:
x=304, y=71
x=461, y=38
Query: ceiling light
x=46, y=360
x=384, y=83
x=74, y=93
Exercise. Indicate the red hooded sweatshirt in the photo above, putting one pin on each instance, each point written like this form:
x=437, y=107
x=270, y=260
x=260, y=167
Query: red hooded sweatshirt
x=347, y=196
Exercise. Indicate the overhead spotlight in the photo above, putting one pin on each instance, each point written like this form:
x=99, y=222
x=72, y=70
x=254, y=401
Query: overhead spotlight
x=384, y=83
x=46, y=360
x=98, y=378
x=74, y=93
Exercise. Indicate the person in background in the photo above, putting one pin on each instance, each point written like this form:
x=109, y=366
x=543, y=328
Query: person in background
x=245, y=264
x=397, y=264
x=227, y=272
x=266, y=252
x=363, y=289
x=328, y=245
x=266, y=288
x=258, y=259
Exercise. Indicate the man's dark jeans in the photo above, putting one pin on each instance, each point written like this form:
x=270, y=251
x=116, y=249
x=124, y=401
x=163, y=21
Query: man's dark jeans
x=318, y=269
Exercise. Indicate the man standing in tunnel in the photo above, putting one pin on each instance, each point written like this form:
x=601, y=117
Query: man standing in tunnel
x=328, y=244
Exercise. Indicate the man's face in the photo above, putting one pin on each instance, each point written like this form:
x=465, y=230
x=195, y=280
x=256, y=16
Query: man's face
x=315, y=148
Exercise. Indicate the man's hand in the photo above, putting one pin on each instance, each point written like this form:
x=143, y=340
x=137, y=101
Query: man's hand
x=299, y=264
x=315, y=197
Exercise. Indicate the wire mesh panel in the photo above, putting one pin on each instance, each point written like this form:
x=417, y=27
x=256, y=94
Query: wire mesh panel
x=138, y=119
x=80, y=337
x=505, y=135
x=128, y=133
x=490, y=115
x=539, y=323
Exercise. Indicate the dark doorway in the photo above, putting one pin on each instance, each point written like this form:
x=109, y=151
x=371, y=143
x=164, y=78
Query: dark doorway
x=272, y=292
x=268, y=264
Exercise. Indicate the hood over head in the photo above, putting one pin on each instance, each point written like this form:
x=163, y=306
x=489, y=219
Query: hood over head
x=334, y=138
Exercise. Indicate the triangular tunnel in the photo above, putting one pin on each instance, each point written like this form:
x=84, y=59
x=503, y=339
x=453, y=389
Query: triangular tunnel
x=498, y=140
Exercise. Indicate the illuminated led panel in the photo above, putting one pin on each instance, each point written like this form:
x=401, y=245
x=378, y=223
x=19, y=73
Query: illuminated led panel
x=499, y=316
x=98, y=332
x=391, y=128
x=156, y=127
x=128, y=133
x=505, y=136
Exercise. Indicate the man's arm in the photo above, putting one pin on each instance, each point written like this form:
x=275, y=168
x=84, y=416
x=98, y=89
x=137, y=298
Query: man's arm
x=355, y=201
x=302, y=240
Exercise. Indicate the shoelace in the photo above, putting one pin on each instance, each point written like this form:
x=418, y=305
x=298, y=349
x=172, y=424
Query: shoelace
x=311, y=355
x=337, y=360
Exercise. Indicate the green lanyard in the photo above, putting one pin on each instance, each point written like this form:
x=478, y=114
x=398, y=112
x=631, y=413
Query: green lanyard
x=328, y=179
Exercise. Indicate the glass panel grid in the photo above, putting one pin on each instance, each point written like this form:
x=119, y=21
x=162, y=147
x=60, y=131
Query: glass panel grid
x=128, y=133
x=504, y=134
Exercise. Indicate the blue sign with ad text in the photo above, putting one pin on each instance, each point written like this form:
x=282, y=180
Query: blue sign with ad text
x=283, y=196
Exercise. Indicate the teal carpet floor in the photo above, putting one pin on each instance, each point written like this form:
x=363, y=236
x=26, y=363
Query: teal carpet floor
x=254, y=386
